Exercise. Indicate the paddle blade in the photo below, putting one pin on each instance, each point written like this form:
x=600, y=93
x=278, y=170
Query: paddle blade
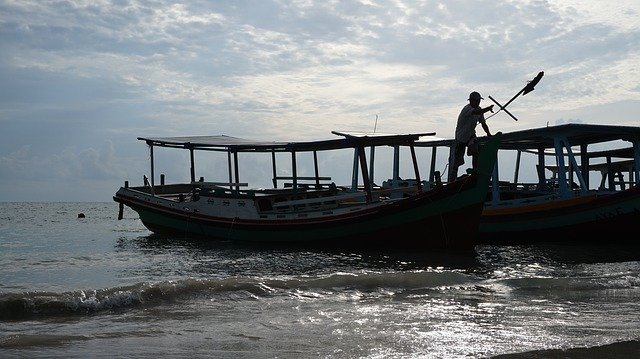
x=530, y=86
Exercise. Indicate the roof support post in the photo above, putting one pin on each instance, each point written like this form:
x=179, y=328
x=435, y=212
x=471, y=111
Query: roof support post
x=372, y=155
x=432, y=167
x=229, y=168
x=517, y=169
x=354, y=173
x=315, y=168
x=610, y=178
x=294, y=170
x=584, y=165
x=540, y=168
x=365, y=174
x=415, y=166
x=562, y=171
x=236, y=169
x=152, y=168
x=636, y=160
x=396, y=162
x=192, y=163
x=273, y=167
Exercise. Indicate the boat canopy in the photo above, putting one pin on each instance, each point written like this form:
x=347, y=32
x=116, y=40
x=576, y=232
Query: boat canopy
x=544, y=137
x=235, y=144
x=575, y=134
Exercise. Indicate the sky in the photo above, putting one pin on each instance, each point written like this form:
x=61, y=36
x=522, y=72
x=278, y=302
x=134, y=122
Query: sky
x=80, y=81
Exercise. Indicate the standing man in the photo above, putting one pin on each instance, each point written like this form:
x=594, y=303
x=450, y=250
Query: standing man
x=468, y=118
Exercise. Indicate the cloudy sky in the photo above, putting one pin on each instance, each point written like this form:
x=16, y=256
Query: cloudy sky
x=81, y=80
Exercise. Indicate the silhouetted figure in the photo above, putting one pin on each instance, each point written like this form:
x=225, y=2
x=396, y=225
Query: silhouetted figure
x=469, y=117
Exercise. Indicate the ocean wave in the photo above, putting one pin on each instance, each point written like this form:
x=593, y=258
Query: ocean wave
x=603, y=282
x=21, y=341
x=45, y=304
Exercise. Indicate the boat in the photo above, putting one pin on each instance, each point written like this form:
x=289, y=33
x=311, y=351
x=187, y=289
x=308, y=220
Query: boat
x=301, y=209
x=583, y=185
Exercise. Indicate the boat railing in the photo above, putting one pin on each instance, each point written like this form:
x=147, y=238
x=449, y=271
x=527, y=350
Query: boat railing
x=399, y=188
x=521, y=190
x=343, y=198
x=201, y=188
x=611, y=173
x=306, y=182
x=218, y=185
x=288, y=200
x=178, y=192
x=164, y=189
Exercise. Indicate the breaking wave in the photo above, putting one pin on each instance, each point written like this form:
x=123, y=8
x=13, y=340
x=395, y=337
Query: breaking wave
x=83, y=302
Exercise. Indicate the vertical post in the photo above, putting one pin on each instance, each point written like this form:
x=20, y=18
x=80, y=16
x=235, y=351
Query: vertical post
x=562, y=171
x=584, y=165
x=415, y=166
x=273, y=167
x=432, y=167
x=610, y=178
x=452, y=159
x=636, y=160
x=294, y=170
x=315, y=168
x=540, y=168
x=354, y=174
x=152, y=167
x=372, y=155
x=237, y=170
x=517, y=169
x=365, y=174
x=495, y=184
x=229, y=168
x=193, y=164
x=396, y=162
x=573, y=168
x=162, y=179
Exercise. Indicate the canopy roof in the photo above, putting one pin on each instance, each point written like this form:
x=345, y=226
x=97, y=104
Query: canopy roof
x=235, y=144
x=543, y=137
x=576, y=135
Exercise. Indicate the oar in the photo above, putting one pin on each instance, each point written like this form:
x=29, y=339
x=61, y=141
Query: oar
x=525, y=90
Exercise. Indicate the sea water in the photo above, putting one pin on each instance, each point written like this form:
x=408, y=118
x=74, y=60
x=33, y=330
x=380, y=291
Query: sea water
x=96, y=286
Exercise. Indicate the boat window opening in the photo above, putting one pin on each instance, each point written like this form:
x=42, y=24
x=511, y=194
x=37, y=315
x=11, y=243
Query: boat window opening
x=297, y=207
x=280, y=208
x=264, y=204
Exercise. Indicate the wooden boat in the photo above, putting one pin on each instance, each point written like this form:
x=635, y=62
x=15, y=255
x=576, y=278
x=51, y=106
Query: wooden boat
x=584, y=184
x=313, y=210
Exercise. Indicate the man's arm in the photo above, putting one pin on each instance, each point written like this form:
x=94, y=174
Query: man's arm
x=485, y=127
x=480, y=110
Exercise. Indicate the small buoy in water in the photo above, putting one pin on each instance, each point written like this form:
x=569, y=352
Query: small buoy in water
x=80, y=215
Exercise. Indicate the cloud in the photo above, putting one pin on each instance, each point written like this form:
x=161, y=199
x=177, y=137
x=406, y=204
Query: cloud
x=71, y=163
x=79, y=73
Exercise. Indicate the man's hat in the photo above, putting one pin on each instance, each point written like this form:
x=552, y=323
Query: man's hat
x=475, y=96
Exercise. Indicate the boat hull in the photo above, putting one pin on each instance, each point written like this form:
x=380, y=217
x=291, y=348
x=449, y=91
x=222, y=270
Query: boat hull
x=610, y=217
x=447, y=217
